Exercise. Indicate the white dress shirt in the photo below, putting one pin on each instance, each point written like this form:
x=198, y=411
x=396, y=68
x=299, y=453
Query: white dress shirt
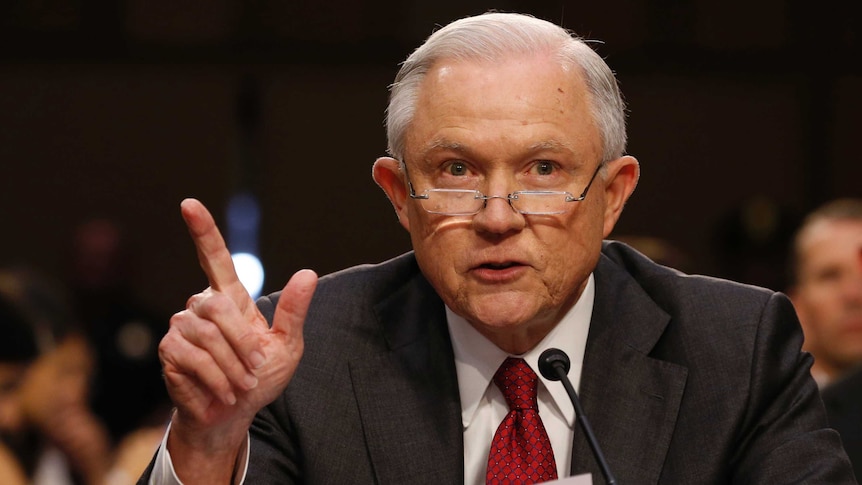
x=483, y=406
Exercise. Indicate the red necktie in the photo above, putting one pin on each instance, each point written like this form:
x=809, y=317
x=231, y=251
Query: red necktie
x=521, y=451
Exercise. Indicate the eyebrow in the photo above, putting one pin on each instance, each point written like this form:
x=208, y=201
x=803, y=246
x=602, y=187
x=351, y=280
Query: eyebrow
x=550, y=145
x=444, y=144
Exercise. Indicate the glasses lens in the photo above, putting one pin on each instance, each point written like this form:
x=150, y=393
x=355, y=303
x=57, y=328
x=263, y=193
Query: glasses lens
x=540, y=202
x=452, y=202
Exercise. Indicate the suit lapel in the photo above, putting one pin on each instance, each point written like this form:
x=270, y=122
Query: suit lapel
x=408, y=395
x=631, y=399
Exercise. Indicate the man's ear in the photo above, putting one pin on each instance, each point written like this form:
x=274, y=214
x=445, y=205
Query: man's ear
x=388, y=175
x=621, y=179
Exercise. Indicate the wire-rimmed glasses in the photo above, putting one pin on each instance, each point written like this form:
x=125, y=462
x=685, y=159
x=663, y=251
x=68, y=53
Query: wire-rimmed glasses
x=465, y=202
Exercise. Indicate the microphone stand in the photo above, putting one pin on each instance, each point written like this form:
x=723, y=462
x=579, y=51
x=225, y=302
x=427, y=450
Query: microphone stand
x=554, y=364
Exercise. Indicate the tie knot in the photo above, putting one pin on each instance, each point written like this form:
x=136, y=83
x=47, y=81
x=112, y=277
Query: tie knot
x=518, y=383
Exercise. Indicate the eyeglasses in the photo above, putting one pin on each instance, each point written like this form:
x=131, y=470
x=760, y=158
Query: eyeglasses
x=461, y=202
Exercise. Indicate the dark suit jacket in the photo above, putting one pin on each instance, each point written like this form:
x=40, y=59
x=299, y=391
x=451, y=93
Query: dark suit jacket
x=686, y=380
x=843, y=401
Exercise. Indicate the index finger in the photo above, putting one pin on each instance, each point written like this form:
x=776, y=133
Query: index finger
x=213, y=254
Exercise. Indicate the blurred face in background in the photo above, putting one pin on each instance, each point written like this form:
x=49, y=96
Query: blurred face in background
x=32, y=394
x=828, y=293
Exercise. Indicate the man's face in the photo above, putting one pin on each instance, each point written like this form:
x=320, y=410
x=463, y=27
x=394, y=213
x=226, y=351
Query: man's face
x=498, y=128
x=828, y=296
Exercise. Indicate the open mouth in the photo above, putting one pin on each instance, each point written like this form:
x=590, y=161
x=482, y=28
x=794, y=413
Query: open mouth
x=505, y=265
x=499, y=272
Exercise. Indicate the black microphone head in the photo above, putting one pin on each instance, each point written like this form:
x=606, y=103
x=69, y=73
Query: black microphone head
x=550, y=360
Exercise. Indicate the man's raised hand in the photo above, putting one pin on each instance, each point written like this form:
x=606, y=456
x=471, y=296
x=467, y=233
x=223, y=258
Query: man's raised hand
x=221, y=360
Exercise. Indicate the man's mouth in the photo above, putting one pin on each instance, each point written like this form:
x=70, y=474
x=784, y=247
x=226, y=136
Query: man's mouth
x=505, y=265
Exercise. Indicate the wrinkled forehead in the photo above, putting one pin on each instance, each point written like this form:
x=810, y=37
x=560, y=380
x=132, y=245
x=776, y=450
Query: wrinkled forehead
x=460, y=96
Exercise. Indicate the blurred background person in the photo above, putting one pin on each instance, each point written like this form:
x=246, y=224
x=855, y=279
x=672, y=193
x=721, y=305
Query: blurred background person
x=49, y=433
x=45, y=371
x=843, y=400
x=826, y=287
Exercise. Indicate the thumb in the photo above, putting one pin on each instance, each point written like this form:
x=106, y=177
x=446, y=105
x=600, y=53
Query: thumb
x=294, y=302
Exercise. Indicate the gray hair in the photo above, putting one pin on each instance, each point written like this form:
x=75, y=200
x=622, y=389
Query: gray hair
x=493, y=36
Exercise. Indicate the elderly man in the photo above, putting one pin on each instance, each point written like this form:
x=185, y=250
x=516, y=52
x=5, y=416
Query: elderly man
x=507, y=139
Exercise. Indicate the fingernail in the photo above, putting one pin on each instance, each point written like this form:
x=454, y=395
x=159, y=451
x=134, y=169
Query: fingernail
x=230, y=399
x=250, y=381
x=256, y=359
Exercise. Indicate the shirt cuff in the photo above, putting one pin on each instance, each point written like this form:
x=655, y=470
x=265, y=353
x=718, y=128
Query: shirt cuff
x=163, y=467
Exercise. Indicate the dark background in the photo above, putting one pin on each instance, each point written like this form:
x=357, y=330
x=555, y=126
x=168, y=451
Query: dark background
x=743, y=115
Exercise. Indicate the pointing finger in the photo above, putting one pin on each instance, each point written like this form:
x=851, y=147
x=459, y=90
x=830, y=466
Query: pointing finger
x=212, y=251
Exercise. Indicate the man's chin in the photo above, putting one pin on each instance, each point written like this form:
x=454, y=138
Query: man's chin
x=502, y=311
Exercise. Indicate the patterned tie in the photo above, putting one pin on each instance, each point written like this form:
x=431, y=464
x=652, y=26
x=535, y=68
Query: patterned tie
x=521, y=451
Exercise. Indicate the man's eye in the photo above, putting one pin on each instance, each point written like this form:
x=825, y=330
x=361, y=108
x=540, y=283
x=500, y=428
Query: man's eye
x=544, y=168
x=458, y=168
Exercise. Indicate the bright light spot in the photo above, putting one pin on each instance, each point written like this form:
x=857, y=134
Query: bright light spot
x=250, y=272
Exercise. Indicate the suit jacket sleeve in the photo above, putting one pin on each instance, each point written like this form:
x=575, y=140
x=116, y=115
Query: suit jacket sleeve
x=783, y=435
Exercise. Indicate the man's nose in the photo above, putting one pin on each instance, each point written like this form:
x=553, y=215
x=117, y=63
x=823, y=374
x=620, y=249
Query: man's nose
x=498, y=216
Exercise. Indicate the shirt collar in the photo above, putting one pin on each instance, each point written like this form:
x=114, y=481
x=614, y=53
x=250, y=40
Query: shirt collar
x=477, y=358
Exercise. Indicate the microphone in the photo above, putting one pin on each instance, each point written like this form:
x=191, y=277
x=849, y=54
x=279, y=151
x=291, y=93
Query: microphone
x=554, y=365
